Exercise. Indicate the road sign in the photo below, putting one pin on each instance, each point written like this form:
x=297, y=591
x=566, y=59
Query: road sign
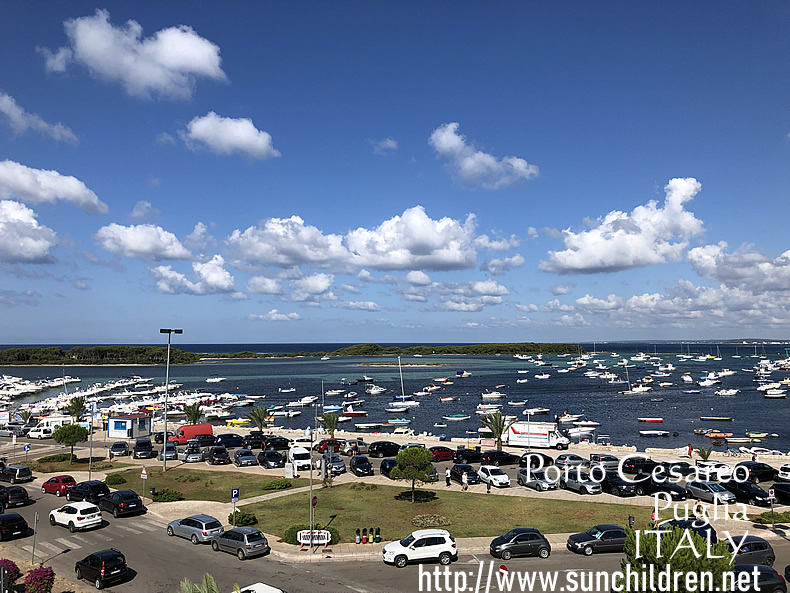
x=234, y=495
x=143, y=474
x=315, y=500
x=771, y=493
x=13, y=438
x=26, y=448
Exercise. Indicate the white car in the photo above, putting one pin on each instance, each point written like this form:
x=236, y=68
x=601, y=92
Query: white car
x=713, y=470
x=784, y=473
x=492, y=474
x=300, y=457
x=425, y=544
x=76, y=516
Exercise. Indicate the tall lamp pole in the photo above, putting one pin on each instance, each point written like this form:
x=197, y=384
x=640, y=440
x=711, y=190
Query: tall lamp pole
x=308, y=432
x=169, y=332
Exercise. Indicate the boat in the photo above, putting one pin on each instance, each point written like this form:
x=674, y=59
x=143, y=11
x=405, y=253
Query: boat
x=287, y=389
x=522, y=372
x=440, y=425
x=374, y=389
x=535, y=411
x=715, y=434
x=431, y=388
x=448, y=398
x=332, y=408
x=656, y=399
x=332, y=392
x=396, y=409
x=216, y=379
x=775, y=394
x=492, y=394
x=569, y=417
x=738, y=440
x=350, y=411
x=586, y=424
x=649, y=419
x=403, y=431
x=521, y=402
x=542, y=376
x=324, y=358
x=653, y=433
x=399, y=421
x=756, y=435
x=463, y=374
x=456, y=417
x=522, y=380
x=237, y=422
x=692, y=391
x=716, y=418
x=368, y=425
x=665, y=384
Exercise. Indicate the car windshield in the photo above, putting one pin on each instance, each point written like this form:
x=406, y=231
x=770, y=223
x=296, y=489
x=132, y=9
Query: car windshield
x=716, y=487
x=406, y=541
x=255, y=536
x=538, y=474
x=129, y=497
x=595, y=532
x=69, y=481
x=301, y=456
x=113, y=561
x=496, y=472
x=213, y=525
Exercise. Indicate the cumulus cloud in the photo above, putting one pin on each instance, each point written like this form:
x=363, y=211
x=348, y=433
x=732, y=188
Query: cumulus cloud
x=21, y=121
x=199, y=238
x=226, y=135
x=648, y=235
x=144, y=241
x=211, y=278
x=167, y=64
x=485, y=242
x=22, y=238
x=531, y=308
x=418, y=277
x=500, y=266
x=39, y=185
x=311, y=287
x=143, y=210
x=742, y=268
x=472, y=167
x=275, y=315
x=264, y=285
x=592, y=304
x=359, y=305
x=386, y=146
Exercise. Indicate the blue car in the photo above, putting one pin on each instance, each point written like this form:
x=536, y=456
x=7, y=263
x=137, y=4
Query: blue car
x=230, y=440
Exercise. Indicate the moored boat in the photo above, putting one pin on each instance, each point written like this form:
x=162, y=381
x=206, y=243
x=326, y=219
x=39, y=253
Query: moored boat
x=650, y=419
x=654, y=433
x=456, y=417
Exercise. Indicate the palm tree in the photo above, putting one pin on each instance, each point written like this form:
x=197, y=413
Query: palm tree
x=498, y=426
x=76, y=407
x=26, y=415
x=329, y=420
x=704, y=453
x=193, y=413
x=208, y=585
x=259, y=416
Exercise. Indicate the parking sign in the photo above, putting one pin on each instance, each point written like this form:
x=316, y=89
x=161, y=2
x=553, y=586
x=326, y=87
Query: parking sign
x=771, y=493
x=234, y=495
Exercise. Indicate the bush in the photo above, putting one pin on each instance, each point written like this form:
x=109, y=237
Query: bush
x=187, y=478
x=427, y=521
x=242, y=519
x=57, y=458
x=98, y=465
x=277, y=485
x=289, y=536
x=363, y=486
x=167, y=495
x=767, y=519
x=12, y=570
x=419, y=496
x=40, y=580
x=114, y=480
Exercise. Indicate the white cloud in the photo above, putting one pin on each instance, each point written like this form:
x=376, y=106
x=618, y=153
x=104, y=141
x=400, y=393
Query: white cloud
x=386, y=146
x=22, y=238
x=144, y=241
x=275, y=315
x=592, y=304
x=527, y=308
x=226, y=135
x=560, y=289
x=212, y=278
x=21, y=121
x=485, y=242
x=557, y=305
x=39, y=185
x=575, y=320
x=264, y=285
x=648, y=235
x=143, y=210
x=165, y=138
x=500, y=266
x=311, y=287
x=13, y=298
x=742, y=268
x=199, y=238
x=476, y=168
x=359, y=305
x=166, y=64
x=418, y=277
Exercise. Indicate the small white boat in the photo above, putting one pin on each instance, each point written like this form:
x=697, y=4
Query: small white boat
x=335, y=392
x=324, y=358
x=216, y=379
x=439, y=425
x=542, y=376
x=654, y=433
x=374, y=389
x=727, y=392
x=522, y=402
x=396, y=409
x=350, y=411
x=448, y=398
x=399, y=421
x=287, y=413
x=569, y=417
x=522, y=372
x=522, y=380
x=492, y=395
x=368, y=425
x=775, y=394
x=456, y=417
x=287, y=389
x=586, y=424
x=535, y=411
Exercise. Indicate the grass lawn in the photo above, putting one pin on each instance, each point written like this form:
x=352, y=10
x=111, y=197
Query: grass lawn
x=201, y=484
x=470, y=514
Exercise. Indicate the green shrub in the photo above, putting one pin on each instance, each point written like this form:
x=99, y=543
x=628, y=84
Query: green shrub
x=187, y=478
x=114, y=480
x=427, y=521
x=766, y=518
x=289, y=536
x=167, y=495
x=363, y=486
x=102, y=465
x=277, y=485
x=242, y=519
x=57, y=458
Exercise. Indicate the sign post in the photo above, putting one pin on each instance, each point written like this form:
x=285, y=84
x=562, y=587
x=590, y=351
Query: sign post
x=35, y=533
x=26, y=448
x=234, y=498
x=13, y=442
x=144, y=477
x=771, y=494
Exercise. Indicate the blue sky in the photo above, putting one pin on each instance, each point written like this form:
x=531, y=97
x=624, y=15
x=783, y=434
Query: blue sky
x=410, y=171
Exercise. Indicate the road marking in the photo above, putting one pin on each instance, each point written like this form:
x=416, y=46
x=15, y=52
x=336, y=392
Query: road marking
x=82, y=539
x=148, y=526
x=129, y=529
x=50, y=547
x=68, y=543
x=103, y=538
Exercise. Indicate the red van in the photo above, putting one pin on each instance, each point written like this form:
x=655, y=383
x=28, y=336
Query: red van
x=190, y=431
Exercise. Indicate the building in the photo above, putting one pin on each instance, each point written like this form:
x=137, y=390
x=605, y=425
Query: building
x=128, y=426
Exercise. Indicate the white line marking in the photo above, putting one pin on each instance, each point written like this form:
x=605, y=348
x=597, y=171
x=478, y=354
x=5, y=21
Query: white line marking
x=68, y=543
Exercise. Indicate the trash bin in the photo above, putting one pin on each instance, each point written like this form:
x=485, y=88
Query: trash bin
x=377, y=537
x=357, y=537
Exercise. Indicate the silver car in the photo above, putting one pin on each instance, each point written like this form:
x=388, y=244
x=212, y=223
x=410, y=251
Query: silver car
x=244, y=542
x=708, y=491
x=335, y=464
x=535, y=478
x=191, y=453
x=570, y=460
x=197, y=528
x=580, y=482
x=168, y=452
x=355, y=447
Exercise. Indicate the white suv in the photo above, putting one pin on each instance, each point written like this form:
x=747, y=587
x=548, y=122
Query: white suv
x=300, y=457
x=425, y=544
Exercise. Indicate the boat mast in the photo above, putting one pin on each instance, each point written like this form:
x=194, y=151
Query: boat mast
x=400, y=370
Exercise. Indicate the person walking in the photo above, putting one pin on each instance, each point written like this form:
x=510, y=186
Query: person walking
x=447, y=476
x=464, y=482
x=488, y=487
x=691, y=450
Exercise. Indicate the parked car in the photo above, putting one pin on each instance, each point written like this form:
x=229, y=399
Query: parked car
x=601, y=538
x=638, y=465
x=334, y=463
x=102, y=568
x=301, y=458
x=405, y=446
x=355, y=447
x=277, y=443
x=204, y=440
x=535, y=478
x=442, y=453
x=143, y=449
x=580, y=482
x=422, y=545
x=197, y=528
x=122, y=502
x=229, y=440
x=40, y=432
x=16, y=473
x=604, y=460
x=535, y=459
x=13, y=496
x=90, y=491
x=58, y=485
x=768, y=580
x=784, y=473
x=675, y=469
x=646, y=484
x=466, y=455
x=271, y=459
x=752, y=550
x=522, y=541
x=359, y=465
x=570, y=460
x=245, y=457
x=325, y=445
x=459, y=469
x=750, y=493
x=383, y=449
x=386, y=466
x=253, y=440
x=12, y=525
x=168, y=452
x=15, y=428
x=244, y=542
x=713, y=470
x=701, y=528
x=76, y=516
x=491, y=474
x=708, y=491
x=217, y=455
x=759, y=472
x=499, y=458
x=159, y=437
x=192, y=453
x=119, y=449
x=615, y=485
x=782, y=492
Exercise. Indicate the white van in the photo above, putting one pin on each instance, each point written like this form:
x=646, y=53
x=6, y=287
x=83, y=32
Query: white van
x=300, y=457
x=40, y=432
x=54, y=422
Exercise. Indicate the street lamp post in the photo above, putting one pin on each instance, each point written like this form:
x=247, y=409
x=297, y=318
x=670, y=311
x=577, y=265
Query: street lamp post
x=169, y=332
x=308, y=432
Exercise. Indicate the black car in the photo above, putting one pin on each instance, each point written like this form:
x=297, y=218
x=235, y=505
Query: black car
x=12, y=525
x=782, y=492
x=646, y=484
x=768, y=580
x=159, y=437
x=204, y=440
x=638, y=465
x=102, y=568
x=143, y=449
x=499, y=458
x=122, y=502
x=271, y=459
x=216, y=455
x=673, y=469
x=16, y=473
x=752, y=550
x=360, y=466
x=534, y=459
x=230, y=440
x=615, y=485
x=748, y=492
x=383, y=449
x=254, y=440
x=459, y=469
x=90, y=490
x=601, y=538
x=522, y=541
x=386, y=466
x=758, y=472
x=277, y=443
x=464, y=455
x=13, y=496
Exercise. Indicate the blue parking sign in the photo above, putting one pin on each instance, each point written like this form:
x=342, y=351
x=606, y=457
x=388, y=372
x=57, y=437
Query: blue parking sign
x=26, y=448
x=234, y=495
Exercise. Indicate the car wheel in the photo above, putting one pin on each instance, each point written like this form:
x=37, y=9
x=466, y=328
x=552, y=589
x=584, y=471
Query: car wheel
x=507, y=555
x=613, y=491
x=563, y=486
x=43, y=490
x=72, y=527
x=543, y=553
x=380, y=454
x=240, y=553
x=401, y=561
x=770, y=561
x=215, y=546
x=755, y=479
x=445, y=558
x=194, y=539
x=496, y=464
x=68, y=496
x=78, y=573
x=170, y=531
x=588, y=551
x=51, y=520
x=752, y=502
x=58, y=493
x=640, y=491
x=13, y=480
x=97, y=583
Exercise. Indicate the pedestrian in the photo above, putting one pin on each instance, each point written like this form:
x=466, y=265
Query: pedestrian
x=447, y=476
x=691, y=450
x=754, y=457
x=464, y=482
x=488, y=487
x=699, y=510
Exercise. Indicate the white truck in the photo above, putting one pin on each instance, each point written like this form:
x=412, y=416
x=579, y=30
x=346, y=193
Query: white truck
x=46, y=426
x=536, y=434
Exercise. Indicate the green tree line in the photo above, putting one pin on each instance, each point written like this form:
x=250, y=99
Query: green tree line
x=95, y=355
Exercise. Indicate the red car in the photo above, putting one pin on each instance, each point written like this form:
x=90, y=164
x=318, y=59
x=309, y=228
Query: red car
x=58, y=485
x=332, y=445
x=442, y=453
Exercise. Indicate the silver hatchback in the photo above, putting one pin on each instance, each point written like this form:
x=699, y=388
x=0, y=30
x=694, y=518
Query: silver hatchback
x=244, y=542
x=197, y=528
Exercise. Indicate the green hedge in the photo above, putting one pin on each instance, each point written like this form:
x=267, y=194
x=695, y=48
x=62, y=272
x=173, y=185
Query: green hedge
x=242, y=519
x=167, y=495
x=114, y=480
x=282, y=484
